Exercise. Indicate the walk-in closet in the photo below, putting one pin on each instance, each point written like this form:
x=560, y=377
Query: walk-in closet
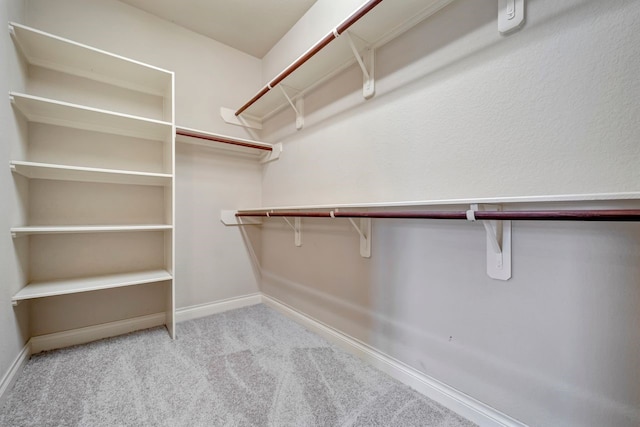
x=320, y=213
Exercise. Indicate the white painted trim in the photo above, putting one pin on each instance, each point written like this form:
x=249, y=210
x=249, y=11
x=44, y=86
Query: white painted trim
x=203, y=310
x=578, y=198
x=11, y=376
x=93, y=333
x=453, y=399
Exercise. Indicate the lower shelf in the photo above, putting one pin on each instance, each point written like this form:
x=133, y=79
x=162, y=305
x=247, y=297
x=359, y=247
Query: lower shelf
x=67, y=229
x=86, y=284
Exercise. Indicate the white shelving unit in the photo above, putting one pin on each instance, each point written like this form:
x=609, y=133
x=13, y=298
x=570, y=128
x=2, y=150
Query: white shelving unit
x=93, y=144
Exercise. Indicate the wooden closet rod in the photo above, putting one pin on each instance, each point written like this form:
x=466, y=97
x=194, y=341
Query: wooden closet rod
x=351, y=19
x=541, y=215
x=222, y=139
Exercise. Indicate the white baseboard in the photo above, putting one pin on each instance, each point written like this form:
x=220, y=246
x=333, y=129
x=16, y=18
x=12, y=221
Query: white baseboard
x=9, y=379
x=449, y=397
x=203, y=310
x=93, y=333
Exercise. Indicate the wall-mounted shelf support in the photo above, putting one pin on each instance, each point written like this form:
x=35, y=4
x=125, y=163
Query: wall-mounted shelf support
x=364, y=230
x=498, y=243
x=510, y=15
x=298, y=107
x=365, y=62
x=229, y=116
x=297, y=229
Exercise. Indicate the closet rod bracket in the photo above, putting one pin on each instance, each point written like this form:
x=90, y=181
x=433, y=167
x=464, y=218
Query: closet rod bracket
x=274, y=154
x=245, y=120
x=228, y=217
x=498, y=235
x=366, y=63
x=297, y=229
x=364, y=230
x=297, y=105
x=510, y=15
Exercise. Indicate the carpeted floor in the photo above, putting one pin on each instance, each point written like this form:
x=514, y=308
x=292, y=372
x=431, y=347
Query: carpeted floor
x=247, y=367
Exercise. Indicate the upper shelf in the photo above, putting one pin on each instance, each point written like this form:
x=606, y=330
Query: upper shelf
x=56, y=53
x=374, y=24
x=44, y=110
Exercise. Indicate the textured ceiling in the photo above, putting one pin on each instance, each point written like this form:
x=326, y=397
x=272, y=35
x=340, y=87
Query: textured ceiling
x=252, y=26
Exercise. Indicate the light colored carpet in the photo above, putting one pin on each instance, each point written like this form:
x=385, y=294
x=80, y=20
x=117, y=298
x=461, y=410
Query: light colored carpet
x=247, y=367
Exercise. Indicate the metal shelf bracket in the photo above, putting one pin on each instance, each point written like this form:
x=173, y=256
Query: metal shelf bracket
x=498, y=243
x=364, y=230
x=298, y=107
x=366, y=63
x=297, y=229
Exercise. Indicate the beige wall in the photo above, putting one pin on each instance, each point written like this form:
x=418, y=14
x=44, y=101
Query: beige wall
x=463, y=112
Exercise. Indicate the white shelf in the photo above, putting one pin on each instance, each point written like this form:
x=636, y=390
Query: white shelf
x=69, y=229
x=35, y=170
x=56, y=53
x=562, y=198
x=86, y=284
x=384, y=22
x=49, y=111
x=262, y=150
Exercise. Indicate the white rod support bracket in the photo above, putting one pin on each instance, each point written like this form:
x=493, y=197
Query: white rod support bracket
x=298, y=108
x=297, y=230
x=366, y=62
x=228, y=217
x=274, y=154
x=11, y=98
x=15, y=303
x=510, y=15
x=12, y=30
x=364, y=230
x=498, y=244
x=245, y=120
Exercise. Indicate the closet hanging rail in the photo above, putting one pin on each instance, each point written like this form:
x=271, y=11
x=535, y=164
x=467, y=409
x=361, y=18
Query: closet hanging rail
x=352, y=19
x=222, y=139
x=537, y=215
